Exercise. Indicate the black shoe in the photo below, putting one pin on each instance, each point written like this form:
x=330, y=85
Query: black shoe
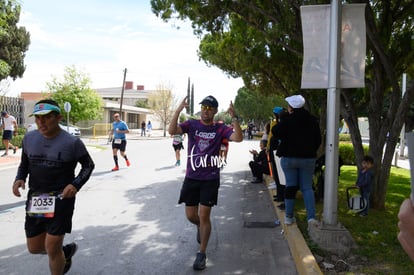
x=69, y=250
x=200, y=261
x=257, y=181
x=281, y=206
x=198, y=234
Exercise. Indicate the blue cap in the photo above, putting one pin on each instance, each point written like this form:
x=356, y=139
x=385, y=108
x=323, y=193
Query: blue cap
x=277, y=110
x=44, y=108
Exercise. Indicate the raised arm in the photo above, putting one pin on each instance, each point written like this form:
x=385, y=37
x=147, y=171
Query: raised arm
x=237, y=135
x=174, y=128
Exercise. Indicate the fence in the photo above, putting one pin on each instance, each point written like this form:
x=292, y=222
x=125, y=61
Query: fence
x=14, y=106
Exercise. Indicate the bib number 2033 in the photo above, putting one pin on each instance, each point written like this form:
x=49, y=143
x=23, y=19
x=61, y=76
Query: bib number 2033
x=42, y=205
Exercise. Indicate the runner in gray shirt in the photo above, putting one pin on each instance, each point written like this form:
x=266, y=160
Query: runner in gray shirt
x=50, y=156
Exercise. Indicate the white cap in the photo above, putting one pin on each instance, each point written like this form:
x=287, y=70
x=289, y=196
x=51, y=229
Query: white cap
x=295, y=101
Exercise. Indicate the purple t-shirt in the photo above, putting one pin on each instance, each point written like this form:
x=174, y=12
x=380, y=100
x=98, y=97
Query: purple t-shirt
x=203, y=148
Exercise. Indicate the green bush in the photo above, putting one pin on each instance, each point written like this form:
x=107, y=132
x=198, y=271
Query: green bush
x=347, y=152
x=345, y=137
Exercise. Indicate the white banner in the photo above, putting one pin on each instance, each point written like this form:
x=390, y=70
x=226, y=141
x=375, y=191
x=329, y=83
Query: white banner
x=315, y=28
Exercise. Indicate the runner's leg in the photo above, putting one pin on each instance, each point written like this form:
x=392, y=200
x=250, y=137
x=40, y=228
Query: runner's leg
x=54, y=248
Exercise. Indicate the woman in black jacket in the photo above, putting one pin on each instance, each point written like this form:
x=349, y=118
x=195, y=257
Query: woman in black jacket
x=299, y=138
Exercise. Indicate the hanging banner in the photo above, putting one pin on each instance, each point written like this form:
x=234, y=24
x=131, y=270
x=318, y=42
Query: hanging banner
x=315, y=28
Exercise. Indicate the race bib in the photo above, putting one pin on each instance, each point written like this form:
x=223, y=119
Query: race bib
x=118, y=141
x=42, y=205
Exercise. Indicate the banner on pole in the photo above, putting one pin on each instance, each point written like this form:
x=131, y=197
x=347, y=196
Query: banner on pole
x=315, y=28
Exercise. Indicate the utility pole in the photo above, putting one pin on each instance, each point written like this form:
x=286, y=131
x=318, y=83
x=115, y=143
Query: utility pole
x=330, y=202
x=402, y=135
x=122, y=94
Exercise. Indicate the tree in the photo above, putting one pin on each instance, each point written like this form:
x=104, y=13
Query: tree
x=192, y=100
x=141, y=103
x=224, y=117
x=251, y=105
x=162, y=103
x=188, y=109
x=261, y=42
x=14, y=41
x=75, y=88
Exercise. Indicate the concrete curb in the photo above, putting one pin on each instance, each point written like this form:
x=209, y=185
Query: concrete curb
x=305, y=261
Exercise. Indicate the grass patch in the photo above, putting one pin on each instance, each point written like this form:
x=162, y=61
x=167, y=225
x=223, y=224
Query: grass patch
x=376, y=234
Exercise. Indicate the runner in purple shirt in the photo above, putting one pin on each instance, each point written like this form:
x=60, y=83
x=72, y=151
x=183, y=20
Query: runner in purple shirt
x=199, y=191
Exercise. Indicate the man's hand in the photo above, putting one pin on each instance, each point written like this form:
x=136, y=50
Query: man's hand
x=406, y=226
x=183, y=104
x=16, y=185
x=231, y=110
x=69, y=191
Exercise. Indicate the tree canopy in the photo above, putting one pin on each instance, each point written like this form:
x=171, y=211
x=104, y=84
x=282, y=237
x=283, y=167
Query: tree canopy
x=251, y=105
x=14, y=41
x=261, y=42
x=86, y=104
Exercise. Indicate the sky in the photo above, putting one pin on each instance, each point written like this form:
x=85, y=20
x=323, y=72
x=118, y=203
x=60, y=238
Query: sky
x=103, y=37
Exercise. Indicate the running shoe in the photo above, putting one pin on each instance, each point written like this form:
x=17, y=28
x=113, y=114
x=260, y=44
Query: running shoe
x=69, y=250
x=128, y=163
x=281, y=206
x=116, y=168
x=4, y=155
x=200, y=261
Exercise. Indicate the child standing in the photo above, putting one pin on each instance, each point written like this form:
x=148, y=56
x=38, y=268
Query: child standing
x=364, y=181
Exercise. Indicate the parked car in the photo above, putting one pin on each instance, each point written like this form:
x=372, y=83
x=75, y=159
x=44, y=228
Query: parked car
x=74, y=131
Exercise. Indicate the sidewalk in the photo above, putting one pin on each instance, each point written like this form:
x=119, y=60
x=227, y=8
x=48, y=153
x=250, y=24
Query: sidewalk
x=10, y=160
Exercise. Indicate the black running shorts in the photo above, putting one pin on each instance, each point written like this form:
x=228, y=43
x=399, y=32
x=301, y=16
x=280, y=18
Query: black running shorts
x=178, y=146
x=7, y=135
x=195, y=192
x=121, y=146
x=60, y=224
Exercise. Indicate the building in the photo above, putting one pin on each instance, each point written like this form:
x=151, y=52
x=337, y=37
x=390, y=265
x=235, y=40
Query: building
x=113, y=98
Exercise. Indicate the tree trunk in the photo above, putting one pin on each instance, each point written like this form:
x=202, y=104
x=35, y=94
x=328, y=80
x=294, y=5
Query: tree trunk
x=165, y=128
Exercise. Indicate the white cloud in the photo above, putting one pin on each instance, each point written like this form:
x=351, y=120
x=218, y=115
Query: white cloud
x=119, y=34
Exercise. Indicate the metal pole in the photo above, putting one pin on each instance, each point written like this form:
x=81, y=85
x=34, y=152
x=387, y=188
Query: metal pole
x=122, y=94
x=67, y=125
x=331, y=157
x=402, y=135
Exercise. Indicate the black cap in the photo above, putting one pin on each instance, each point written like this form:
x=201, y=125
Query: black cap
x=210, y=101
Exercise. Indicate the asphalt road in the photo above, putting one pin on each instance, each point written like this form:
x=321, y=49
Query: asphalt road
x=129, y=222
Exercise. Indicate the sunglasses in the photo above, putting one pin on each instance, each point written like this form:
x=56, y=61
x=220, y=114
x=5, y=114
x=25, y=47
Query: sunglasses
x=206, y=108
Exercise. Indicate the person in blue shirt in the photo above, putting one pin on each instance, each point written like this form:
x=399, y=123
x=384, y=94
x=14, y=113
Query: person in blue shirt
x=149, y=128
x=364, y=181
x=119, y=129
